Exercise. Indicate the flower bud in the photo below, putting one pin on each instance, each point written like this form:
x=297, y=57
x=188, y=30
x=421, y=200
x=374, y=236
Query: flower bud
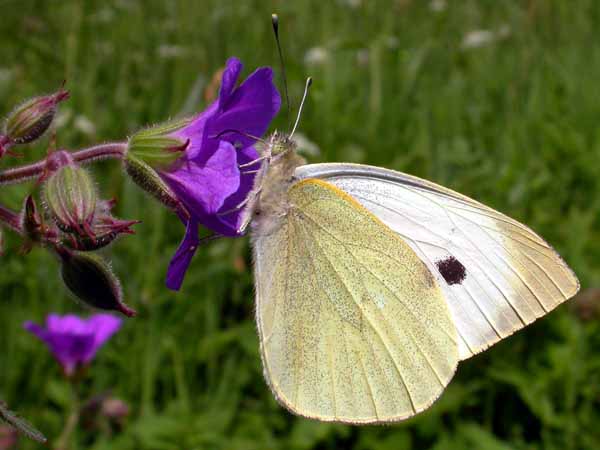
x=7, y=439
x=158, y=146
x=31, y=119
x=92, y=281
x=70, y=196
x=34, y=229
x=115, y=409
x=105, y=230
x=146, y=178
x=32, y=222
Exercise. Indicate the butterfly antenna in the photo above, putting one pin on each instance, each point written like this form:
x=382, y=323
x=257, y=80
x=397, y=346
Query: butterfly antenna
x=233, y=130
x=275, y=22
x=308, y=84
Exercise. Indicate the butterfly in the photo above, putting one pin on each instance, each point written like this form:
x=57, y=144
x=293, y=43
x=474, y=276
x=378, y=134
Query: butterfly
x=372, y=285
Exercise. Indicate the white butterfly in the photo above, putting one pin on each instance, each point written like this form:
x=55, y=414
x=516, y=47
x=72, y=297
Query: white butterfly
x=371, y=285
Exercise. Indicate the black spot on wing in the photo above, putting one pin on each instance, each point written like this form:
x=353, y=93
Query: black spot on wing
x=452, y=270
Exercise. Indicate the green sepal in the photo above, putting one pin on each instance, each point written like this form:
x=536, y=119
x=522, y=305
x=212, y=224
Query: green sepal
x=148, y=179
x=71, y=196
x=156, y=146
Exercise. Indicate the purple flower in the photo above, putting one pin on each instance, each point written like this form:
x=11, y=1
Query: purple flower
x=207, y=179
x=74, y=341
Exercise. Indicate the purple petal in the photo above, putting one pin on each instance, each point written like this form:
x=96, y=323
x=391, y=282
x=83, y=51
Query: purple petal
x=72, y=340
x=37, y=330
x=203, y=189
x=249, y=109
x=194, y=131
x=198, y=148
x=233, y=68
x=70, y=349
x=69, y=323
x=183, y=257
x=104, y=326
x=231, y=221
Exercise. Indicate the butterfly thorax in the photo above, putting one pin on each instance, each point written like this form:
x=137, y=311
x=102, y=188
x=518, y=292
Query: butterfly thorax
x=272, y=183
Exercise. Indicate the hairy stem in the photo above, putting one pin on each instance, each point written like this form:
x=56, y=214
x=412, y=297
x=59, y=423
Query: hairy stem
x=11, y=219
x=115, y=150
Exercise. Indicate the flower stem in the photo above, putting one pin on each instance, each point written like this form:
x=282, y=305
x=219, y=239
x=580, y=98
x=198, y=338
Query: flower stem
x=115, y=150
x=63, y=441
x=11, y=219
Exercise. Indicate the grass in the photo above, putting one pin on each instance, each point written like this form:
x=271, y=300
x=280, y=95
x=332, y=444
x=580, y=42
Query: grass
x=513, y=123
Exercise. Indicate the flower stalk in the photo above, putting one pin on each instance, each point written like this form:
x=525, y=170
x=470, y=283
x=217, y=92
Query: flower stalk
x=112, y=150
x=11, y=219
x=63, y=441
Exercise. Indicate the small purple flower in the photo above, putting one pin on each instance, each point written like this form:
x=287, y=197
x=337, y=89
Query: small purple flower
x=74, y=341
x=207, y=179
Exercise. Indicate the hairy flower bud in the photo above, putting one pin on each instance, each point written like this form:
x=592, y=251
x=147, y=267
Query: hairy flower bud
x=105, y=230
x=146, y=178
x=34, y=229
x=158, y=146
x=92, y=281
x=70, y=196
x=7, y=439
x=32, y=118
x=32, y=223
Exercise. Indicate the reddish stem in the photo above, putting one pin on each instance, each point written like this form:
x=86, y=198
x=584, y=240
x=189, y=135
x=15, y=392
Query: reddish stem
x=11, y=219
x=115, y=150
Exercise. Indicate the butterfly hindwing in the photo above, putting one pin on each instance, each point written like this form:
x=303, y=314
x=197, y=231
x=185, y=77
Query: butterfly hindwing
x=497, y=274
x=353, y=326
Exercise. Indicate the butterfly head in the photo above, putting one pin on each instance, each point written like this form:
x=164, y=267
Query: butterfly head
x=281, y=143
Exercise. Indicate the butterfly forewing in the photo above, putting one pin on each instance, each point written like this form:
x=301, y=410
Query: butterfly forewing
x=497, y=275
x=353, y=326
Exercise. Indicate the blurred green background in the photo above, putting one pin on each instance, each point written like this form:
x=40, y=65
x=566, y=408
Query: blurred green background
x=499, y=100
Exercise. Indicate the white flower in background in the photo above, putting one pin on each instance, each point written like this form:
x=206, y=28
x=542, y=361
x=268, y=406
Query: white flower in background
x=351, y=3
x=480, y=38
x=306, y=146
x=63, y=116
x=84, y=125
x=438, y=5
x=392, y=42
x=6, y=75
x=171, y=51
x=105, y=15
x=316, y=56
x=503, y=32
x=362, y=56
x=477, y=38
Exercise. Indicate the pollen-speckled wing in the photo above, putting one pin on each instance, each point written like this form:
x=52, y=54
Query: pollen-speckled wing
x=497, y=275
x=353, y=326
